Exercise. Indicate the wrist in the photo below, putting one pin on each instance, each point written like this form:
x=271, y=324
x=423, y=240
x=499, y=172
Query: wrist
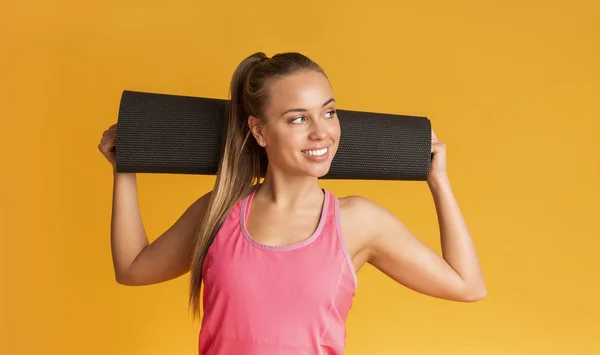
x=438, y=179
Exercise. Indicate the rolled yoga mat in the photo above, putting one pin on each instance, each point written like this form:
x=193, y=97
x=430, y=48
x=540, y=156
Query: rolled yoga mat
x=162, y=133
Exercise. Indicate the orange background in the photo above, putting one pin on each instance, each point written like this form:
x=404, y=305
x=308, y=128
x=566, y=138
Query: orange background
x=512, y=87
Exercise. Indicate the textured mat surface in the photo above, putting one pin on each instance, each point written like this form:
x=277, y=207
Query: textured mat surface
x=162, y=133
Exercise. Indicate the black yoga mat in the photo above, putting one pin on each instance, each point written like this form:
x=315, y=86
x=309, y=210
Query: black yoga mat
x=162, y=133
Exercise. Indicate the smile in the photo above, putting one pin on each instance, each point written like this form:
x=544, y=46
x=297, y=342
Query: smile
x=316, y=153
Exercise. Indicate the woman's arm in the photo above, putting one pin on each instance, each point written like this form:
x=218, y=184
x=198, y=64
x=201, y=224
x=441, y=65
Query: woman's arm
x=395, y=251
x=138, y=262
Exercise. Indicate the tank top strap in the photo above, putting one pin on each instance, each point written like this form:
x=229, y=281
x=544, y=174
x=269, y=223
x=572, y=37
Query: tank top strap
x=337, y=225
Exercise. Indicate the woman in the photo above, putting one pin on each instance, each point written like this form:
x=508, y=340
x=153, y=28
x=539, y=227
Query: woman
x=278, y=258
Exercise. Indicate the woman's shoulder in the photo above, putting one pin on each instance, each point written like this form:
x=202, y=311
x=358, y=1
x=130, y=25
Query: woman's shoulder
x=358, y=220
x=358, y=206
x=360, y=209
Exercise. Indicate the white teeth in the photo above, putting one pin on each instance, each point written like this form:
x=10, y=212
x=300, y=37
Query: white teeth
x=316, y=152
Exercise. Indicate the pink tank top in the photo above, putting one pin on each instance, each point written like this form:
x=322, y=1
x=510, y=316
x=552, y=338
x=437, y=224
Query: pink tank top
x=262, y=300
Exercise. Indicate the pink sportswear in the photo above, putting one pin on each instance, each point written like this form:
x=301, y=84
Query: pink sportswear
x=266, y=300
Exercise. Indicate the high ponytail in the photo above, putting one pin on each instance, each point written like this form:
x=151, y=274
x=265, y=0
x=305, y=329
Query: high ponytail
x=243, y=162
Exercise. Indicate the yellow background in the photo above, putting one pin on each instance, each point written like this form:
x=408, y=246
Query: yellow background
x=512, y=87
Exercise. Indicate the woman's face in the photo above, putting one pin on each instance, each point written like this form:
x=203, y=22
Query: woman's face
x=302, y=129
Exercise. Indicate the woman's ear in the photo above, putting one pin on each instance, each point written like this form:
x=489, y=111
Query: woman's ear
x=256, y=127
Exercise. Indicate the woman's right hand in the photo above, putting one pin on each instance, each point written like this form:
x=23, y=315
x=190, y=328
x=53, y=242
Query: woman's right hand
x=108, y=143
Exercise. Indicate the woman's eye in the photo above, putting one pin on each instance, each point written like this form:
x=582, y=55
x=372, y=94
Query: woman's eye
x=329, y=114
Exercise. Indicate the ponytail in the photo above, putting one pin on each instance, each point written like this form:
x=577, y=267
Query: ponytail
x=239, y=170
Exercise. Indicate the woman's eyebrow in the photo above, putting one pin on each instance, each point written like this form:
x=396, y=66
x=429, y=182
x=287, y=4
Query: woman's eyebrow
x=304, y=110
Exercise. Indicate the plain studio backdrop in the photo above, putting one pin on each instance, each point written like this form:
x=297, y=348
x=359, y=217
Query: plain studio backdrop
x=512, y=87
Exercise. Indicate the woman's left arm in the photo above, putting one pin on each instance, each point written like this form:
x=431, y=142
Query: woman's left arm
x=394, y=250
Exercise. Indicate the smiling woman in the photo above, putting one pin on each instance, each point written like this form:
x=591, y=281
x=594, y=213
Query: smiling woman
x=307, y=130
x=278, y=259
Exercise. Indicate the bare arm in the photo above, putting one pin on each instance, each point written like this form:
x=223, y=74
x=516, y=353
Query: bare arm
x=393, y=249
x=136, y=261
x=456, y=275
x=401, y=255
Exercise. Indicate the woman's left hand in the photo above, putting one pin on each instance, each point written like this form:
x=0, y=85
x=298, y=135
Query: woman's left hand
x=438, y=161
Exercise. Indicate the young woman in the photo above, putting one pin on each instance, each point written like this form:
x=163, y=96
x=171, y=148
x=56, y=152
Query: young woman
x=278, y=257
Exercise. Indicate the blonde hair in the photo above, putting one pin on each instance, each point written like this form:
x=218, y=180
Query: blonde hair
x=243, y=162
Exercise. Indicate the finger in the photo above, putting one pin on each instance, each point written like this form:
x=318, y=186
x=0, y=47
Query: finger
x=107, y=144
x=111, y=134
x=111, y=140
x=440, y=147
x=110, y=129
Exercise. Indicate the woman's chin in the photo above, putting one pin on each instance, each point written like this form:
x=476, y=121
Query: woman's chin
x=318, y=171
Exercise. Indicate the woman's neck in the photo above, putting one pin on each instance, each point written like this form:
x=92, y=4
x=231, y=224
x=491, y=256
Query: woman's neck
x=289, y=192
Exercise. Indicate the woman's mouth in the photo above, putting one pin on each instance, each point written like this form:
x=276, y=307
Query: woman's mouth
x=316, y=154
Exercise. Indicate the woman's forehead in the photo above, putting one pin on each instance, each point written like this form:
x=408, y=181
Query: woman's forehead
x=308, y=90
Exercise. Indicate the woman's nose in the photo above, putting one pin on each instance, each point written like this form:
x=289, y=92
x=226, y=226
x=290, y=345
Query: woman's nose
x=318, y=130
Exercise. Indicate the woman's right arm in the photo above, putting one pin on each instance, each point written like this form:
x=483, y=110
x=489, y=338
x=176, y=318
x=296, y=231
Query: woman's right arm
x=138, y=262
